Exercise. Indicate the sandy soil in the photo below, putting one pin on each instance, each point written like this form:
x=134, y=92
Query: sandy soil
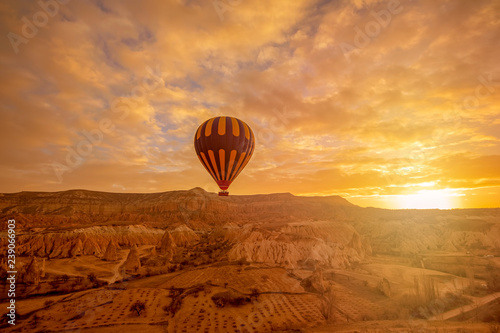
x=283, y=304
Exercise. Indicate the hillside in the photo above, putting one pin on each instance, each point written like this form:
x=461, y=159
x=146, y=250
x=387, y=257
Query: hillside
x=140, y=219
x=196, y=206
x=255, y=263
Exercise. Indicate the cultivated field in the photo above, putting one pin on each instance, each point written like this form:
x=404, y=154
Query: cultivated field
x=273, y=299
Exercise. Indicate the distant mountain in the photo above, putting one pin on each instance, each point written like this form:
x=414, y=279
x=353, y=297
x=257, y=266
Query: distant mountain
x=275, y=228
x=196, y=207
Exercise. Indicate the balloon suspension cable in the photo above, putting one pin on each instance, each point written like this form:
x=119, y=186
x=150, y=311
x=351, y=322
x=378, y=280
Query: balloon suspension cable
x=224, y=193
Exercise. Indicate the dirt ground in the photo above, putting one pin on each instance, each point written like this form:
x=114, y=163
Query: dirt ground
x=281, y=304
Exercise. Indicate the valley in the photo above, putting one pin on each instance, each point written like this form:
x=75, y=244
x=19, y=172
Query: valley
x=189, y=261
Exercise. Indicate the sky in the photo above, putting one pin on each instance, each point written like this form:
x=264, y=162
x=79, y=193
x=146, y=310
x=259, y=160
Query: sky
x=391, y=104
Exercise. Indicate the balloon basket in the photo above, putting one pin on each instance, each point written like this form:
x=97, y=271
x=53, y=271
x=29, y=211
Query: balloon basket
x=224, y=194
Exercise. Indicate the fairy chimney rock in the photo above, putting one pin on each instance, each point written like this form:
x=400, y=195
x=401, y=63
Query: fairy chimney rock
x=133, y=262
x=167, y=245
x=111, y=252
x=31, y=273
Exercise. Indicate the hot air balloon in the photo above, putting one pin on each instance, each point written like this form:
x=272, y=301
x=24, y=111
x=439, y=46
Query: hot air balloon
x=224, y=146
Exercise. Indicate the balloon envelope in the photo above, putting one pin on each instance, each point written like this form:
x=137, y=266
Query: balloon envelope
x=224, y=146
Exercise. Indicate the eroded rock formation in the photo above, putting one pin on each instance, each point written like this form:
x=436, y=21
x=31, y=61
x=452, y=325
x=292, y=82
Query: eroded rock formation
x=86, y=241
x=111, y=253
x=184, y=236
x=276, y=228
x=167, y=245
x=327, y=243
x=31, y=273
x=133, y=262
x=314, y=283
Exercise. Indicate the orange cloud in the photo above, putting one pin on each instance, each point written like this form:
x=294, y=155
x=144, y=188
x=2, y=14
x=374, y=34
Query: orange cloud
x=363, y=99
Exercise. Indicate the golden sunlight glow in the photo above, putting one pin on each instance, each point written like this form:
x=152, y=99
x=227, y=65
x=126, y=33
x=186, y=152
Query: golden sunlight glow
x=427, y=199
x=412, y=121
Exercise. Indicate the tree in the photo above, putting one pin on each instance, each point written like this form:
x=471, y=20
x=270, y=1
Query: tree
x=36, y=318
x=174, y=306
x=138, y=307
x=254, y=293
x=174, y=292
x=92, y=277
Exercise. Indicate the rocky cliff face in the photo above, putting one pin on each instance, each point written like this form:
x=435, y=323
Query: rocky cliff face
x=276, y=228
x=195, y=208
x=292, y=244
x=78, y=222
x=84, y=241
x=414, y=231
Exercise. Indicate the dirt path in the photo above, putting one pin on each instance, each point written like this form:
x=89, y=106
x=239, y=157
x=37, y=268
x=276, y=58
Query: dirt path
x=466, y=308
x=116, y=270
x=59, y=272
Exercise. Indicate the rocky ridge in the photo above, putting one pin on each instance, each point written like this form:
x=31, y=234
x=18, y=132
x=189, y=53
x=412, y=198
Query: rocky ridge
x=85, y=241
x=277, y=229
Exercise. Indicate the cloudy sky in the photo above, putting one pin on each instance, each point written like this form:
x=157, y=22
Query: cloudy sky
x=386, y=103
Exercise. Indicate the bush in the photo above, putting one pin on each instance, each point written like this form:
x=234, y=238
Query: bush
x=229, y=297
x=174, y=306
x=195, y=289
x=420, y=309
x=254, y=293
x=174, y=292
x=92, y=277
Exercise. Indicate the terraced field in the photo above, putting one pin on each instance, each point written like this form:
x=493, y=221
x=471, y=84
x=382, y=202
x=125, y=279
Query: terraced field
x=242, y=279
x=104, y=307
x=271, y=311
x=274, y=300
x=282, y=303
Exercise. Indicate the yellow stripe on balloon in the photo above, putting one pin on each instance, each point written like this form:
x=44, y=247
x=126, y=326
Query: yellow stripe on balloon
x=247, y=132
x=232, y=158
x=242, y=157
x=206, y=164
x=214, y=164
x=236, y=127
x=198, y=134
x=222, y=125
x=243, y=166
x=208, y=129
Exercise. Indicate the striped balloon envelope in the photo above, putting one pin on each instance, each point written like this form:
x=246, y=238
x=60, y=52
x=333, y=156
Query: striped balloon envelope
x=224, y=146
